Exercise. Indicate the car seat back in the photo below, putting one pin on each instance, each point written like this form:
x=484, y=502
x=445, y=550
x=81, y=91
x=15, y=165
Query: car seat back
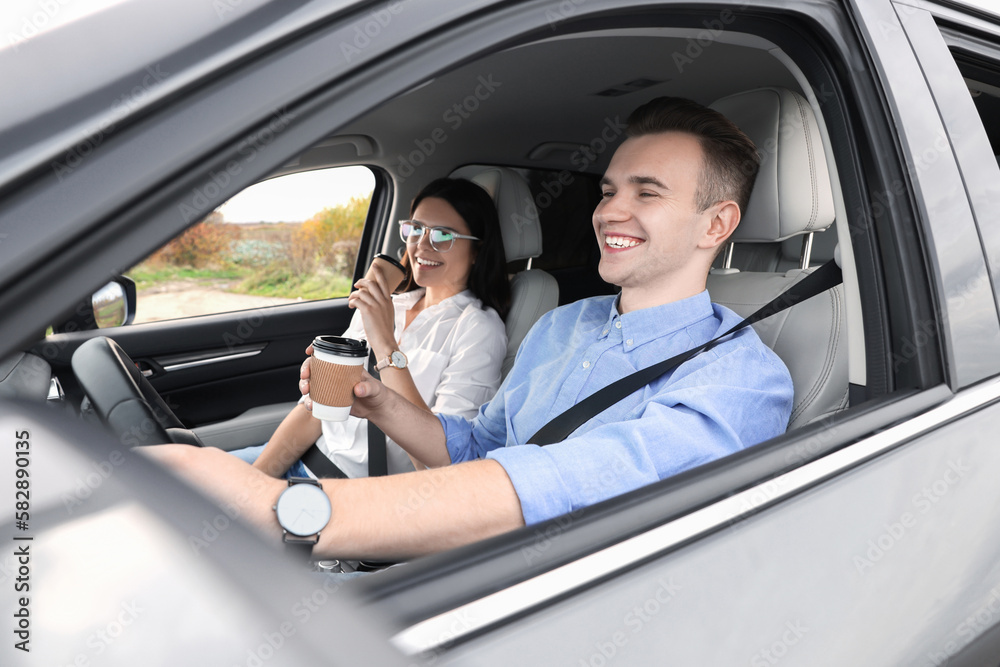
x=792, y=197
x=533, y=292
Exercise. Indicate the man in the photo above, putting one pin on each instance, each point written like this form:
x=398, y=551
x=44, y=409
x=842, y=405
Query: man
x=673, y=193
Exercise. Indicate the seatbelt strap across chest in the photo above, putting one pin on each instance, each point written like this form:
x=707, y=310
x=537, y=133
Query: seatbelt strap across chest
x=561, y=426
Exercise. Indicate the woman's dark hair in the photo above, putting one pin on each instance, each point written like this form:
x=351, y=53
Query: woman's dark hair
x=488, y=277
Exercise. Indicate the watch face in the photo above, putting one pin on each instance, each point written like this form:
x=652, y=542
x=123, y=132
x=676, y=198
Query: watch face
x=398, y=359
x=303, y=509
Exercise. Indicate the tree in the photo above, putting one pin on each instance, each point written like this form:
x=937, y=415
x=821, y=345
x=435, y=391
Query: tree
x=203, y=245
x=331, y=237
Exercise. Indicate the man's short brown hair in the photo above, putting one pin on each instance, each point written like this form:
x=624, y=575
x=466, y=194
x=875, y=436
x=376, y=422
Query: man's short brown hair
x=731, y=160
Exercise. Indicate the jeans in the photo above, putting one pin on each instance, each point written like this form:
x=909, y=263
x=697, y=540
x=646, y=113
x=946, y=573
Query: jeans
x=250, y=454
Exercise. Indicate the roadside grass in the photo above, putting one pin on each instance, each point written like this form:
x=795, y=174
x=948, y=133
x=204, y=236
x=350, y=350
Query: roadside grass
x=278, y=282
x=146, y=276
x=282, y=283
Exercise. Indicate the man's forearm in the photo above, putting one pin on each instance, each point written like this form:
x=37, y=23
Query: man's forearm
x=381, y=518
x=418, y=513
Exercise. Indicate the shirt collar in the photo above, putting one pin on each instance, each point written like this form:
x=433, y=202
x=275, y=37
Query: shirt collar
x=408, y=299
x=641, y=326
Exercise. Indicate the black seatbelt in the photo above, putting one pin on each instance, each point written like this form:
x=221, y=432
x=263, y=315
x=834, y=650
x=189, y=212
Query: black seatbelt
x=378, y=465
x=825, y=277
x=321, y=465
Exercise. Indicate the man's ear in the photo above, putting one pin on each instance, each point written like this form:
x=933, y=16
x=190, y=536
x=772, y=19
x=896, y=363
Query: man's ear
x=725, y=215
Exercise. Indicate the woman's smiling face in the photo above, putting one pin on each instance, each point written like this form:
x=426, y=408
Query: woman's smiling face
x=445, y=273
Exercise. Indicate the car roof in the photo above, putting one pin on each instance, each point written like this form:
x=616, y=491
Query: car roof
x=149, y=49
x=985, y=6
x=601, y=76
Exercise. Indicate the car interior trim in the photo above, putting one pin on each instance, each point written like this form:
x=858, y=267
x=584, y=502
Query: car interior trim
x=550, y=586
x=56, y=392
x=213, y=360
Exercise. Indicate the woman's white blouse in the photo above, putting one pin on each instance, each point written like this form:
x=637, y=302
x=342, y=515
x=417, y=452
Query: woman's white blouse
x=454, y=352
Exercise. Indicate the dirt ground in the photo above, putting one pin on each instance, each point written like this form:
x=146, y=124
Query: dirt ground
x=195, y=297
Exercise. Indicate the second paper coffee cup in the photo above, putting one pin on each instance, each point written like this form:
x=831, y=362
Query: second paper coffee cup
x=394, y=272
x=334, y=370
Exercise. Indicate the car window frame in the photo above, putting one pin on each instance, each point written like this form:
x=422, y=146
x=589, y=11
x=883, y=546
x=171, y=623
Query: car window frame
x=950, y=238
x=979, y=165
x=370, y=219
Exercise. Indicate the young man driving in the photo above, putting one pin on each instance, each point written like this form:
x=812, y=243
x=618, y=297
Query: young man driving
x=671, y=197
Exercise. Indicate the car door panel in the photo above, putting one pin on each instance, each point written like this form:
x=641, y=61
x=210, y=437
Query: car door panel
x=209, y=392
x=235, y=361
x=750, y=591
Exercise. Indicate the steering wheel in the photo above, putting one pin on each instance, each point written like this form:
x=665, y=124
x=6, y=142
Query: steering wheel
x=124, y=399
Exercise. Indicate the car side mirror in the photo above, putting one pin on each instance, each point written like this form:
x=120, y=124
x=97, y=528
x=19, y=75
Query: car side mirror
x=111, y=306
x=114, y=304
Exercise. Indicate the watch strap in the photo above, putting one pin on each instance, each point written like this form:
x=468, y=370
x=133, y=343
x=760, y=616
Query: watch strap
x=292, y=481
x=387, y=361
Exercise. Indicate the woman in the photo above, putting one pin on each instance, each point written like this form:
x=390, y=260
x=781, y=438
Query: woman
x=447, y=321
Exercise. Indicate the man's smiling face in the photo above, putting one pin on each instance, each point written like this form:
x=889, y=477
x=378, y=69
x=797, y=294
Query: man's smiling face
x=648, y=225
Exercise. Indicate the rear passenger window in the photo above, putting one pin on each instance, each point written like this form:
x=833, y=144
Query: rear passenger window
x=287, y=239
x=981, y=78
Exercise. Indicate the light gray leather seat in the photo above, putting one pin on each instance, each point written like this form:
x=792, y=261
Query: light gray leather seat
x=792, y=197
x=533, y=291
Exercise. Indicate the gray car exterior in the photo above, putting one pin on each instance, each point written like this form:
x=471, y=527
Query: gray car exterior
x=866, y=538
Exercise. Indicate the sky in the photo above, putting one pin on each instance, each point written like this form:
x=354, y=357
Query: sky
x=297, y=197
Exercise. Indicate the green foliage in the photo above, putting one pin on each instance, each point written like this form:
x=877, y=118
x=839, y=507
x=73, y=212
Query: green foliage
x=147, y=275
x=330, y=238
x=283, y=284
x=314, y=260
x=256, y=252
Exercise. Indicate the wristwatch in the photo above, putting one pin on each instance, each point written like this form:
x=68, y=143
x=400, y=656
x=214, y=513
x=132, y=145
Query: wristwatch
x=397, y=359
x=303, y=510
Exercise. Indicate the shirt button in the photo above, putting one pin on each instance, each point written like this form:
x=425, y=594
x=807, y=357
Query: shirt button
x=618, y=324
x=586, y=364
x=605, y=332
x=628, y=342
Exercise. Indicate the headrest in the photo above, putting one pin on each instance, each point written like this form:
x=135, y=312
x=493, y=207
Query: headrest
x=793, y=194
x=823, y=245
x=519, y=224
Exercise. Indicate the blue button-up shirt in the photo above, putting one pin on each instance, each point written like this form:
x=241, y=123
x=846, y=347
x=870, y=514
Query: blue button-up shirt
x=735, y=395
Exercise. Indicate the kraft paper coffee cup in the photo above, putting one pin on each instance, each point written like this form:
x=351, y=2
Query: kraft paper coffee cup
x=334, y=370
x=391, y=269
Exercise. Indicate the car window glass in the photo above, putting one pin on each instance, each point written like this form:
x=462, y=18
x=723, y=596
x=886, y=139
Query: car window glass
x=284, y=240
x=984, y=89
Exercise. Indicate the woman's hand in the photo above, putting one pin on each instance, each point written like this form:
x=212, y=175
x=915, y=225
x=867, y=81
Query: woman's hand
x=374, y=300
